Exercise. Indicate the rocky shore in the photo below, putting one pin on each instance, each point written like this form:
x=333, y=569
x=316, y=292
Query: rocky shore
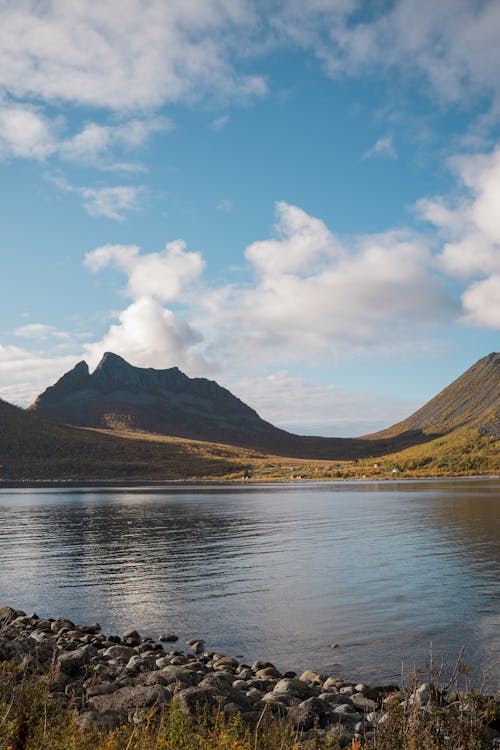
x=117, y=678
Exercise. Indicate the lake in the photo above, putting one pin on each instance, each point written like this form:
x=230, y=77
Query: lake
x=278, y=571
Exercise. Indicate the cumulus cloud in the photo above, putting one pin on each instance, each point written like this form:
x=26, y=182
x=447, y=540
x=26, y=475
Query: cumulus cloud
x=25, y=132
x=470, y=226
x=481, y=301
x=147, y=333
x=453, y=44
x=161, y=276
x=95, y=144
x=122, y=56
x=313, y=294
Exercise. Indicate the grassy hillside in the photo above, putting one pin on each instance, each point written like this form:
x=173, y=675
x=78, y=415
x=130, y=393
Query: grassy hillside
x=32, y=447
x=473, y=399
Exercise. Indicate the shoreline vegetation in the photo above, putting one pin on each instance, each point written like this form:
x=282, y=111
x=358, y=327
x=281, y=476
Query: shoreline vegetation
x=83, y=454
x=69, y=686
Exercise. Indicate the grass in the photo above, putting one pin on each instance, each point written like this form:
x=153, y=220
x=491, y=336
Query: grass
x=32, y=719
x=34, y=448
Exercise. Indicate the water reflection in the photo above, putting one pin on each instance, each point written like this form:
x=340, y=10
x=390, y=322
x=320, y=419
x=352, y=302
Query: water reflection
x=273, y=571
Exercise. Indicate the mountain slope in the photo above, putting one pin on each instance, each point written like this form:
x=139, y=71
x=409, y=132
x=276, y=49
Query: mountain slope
x=32, y=447
x=119, y=396
x=473, y=399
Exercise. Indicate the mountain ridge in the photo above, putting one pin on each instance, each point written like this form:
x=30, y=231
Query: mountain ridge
x=118, y=396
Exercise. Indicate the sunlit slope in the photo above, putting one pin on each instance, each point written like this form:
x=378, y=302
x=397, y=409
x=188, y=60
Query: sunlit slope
x=472, y=399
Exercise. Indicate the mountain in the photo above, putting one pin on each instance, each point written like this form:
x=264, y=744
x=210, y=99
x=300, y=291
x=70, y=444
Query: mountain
x=119, y=396
x=32, y=447
x=472, y=400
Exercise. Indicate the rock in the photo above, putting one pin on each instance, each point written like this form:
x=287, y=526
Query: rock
x=104, y=688
x=254, y=695
x=347, y=690
x=73, y=662
x=268, y=673
x=90, y=629
x=129, y=699
x=193, y=700
x=132, y=634
x=261, y=665
x=168, y=637
x=331, y=684
x=308, y=714
x=197, y=645
x=179, y=675
x=294, y=686
x=362, y=702
x=8, y=614
x=60, y=624
x=226, y=662
x=310, y=676
x=116, y=652
x=344, y=708
x=140, y=663
x=218, y=680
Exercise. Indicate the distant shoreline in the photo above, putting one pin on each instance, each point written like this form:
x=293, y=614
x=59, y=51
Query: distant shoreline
x=119, y=483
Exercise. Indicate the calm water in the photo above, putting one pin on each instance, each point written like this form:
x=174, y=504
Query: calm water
x=277, y=572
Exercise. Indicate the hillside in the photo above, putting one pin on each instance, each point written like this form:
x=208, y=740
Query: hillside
x=34, y=448
x=120, y=397
x=473, y=399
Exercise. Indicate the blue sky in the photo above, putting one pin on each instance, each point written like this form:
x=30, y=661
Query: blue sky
x=299, y=200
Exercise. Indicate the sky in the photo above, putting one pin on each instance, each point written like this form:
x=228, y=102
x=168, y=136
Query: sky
x=300, y=200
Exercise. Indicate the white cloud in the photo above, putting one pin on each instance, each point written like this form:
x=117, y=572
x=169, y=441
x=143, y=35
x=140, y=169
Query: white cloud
x=149, y=335
x=95, y=142
x=471, y=229
x=161, y=276
x=481, y=301
x=303, y=243
x=313, y=295
x=453, y=44
x=110, y=202
x=25, y=132
x=123, y=56
x=382, y=147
